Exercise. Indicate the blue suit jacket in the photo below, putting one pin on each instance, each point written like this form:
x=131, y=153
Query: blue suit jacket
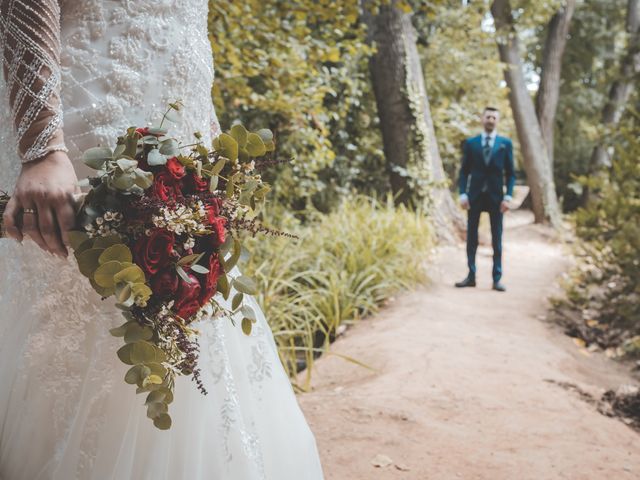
x=474, y=173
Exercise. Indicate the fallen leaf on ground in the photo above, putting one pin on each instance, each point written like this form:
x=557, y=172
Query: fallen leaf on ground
x=381, y=461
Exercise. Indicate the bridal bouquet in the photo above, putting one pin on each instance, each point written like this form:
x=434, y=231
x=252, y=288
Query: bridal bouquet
x=159, y=232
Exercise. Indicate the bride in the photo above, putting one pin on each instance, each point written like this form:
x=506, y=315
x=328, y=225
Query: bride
x=65, y=411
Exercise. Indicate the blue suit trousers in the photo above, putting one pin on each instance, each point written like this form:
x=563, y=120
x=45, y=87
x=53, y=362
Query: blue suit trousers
x=484, y=203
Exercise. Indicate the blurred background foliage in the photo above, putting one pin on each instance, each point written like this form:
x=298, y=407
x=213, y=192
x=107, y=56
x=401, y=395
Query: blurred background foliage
x=603, y=302
x=301, y=68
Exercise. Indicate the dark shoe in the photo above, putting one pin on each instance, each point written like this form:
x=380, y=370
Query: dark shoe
x=499, y=287
x=467, y=282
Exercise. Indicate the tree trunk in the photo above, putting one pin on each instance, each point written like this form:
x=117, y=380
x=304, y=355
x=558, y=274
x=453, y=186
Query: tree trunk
x=622, y=88
x=549, y=91
x=413, y=160
x=532, y=144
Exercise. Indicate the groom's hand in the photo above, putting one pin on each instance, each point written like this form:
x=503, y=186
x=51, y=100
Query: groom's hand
x=464, y=201
x=504, y=206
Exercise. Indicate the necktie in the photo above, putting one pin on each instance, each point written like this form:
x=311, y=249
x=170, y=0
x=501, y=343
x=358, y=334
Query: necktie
x=486, y=150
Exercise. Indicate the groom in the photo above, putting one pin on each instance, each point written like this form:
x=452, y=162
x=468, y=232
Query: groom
x=486, y=160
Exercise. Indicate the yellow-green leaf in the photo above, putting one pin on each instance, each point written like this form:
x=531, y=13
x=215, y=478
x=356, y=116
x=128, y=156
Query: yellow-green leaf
x=104, y=274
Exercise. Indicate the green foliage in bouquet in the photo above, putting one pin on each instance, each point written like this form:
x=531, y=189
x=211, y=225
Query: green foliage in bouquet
x=605, y=285
x=158, y=342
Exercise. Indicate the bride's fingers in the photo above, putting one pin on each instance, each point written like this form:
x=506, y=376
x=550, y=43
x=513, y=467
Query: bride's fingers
x=66, y=219
x=30, y=226
x=10, y=219
x=49, y=230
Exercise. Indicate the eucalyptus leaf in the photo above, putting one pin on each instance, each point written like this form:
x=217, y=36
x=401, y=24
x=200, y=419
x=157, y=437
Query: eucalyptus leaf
x=217, y=168
x=123, y=181
x=102, y=291
x=213, y=184
x=223, y=286
x=246, y=285
x=255, y=145
x=155, y=409
x=229, y=263
x=193, y=258
x=106, y=242
x=237, y=300
x=119, y=331
x=88, y=261
x=169, y=147
x=226, y=146
x=183, y=274
x=118, y=253
x=126, y=165
x=240, y=134
x=163, y=422
x=143, y=179
x=247, y=326
x=248, y=312
x=199, y=269
x=119, y=150
x=142, y=352
x=265, y=134
x=96, y=157
x=136, y=332
x=132, y=274
x=155, y=158
x=124, y=354
x=77, y=238
x=104, y=274
x=155, y=397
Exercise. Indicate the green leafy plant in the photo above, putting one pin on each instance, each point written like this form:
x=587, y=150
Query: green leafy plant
x=345, y=266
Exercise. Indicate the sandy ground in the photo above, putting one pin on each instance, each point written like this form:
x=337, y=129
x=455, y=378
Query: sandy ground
x=464, y=385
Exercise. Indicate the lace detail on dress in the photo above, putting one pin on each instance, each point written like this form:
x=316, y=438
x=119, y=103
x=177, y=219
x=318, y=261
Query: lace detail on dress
x=30, y=52
x=220, y=367
x=116, y=52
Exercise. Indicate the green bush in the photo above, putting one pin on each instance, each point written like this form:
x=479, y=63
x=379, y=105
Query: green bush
x=605, y=286
x=343, y=267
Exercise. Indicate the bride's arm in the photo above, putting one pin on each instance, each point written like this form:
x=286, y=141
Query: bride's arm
x=30, y=55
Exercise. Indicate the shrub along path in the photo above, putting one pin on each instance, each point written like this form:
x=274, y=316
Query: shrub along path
x=471, y=383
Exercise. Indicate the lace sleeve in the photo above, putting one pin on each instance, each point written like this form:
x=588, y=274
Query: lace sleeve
x=30, y=53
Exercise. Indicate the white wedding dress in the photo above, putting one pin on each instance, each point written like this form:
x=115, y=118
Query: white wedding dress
x=65, y=410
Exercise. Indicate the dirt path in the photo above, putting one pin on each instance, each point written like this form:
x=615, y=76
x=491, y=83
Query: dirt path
x=466, y=382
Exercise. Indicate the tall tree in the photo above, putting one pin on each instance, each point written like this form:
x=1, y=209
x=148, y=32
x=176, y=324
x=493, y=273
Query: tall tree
x=622, y=87
x=413, y=159
x=532, y=143
x=549, y=90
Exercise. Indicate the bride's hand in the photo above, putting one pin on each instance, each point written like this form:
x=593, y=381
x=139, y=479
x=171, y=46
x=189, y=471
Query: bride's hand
x=42, y=205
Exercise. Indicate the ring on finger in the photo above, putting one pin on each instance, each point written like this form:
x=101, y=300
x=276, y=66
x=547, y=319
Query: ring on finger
x=30, y=211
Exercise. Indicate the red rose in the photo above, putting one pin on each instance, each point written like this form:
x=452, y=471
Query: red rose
x=212, y=213
x=210, y=281
x=188, y=302
x=219, y=232
x=165, y=186
x=153, y=252
x=195, y=184
x=165, y=283
x=175, y=168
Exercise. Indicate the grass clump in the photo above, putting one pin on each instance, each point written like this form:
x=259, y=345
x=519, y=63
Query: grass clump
x=344, y=266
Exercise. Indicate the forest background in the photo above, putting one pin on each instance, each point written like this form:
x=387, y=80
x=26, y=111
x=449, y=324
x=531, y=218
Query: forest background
x=370, y=101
